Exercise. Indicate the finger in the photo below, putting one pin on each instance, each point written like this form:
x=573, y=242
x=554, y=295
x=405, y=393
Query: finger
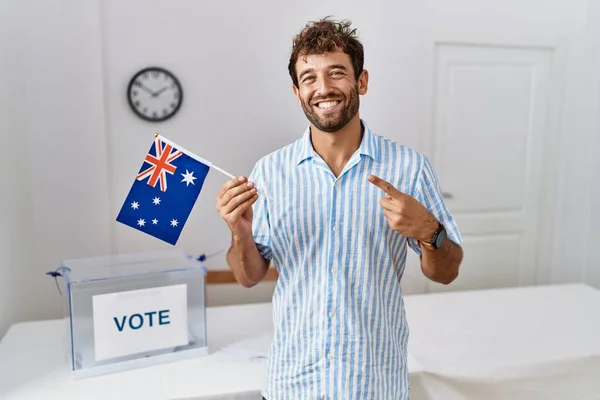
x=243, y=207
x=231, y=184
x=235, y=202
x=384, y=185
x=394, y=220
x=388, y=203
x=236, y=191
x=390, y=215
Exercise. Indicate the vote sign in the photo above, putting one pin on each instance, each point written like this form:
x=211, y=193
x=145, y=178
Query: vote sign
x=139, y=321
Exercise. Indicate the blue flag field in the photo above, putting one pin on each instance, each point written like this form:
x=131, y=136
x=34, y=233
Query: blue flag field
x=164, y=191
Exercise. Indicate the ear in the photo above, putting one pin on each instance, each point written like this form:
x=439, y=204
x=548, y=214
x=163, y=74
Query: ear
x=297, y=94
x=363, y=82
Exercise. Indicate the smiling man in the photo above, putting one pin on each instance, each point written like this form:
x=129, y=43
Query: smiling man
x=344, y=204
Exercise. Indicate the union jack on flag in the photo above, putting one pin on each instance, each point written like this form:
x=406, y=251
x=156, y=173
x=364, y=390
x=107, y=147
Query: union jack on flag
x=149, y=206
x=160, y=164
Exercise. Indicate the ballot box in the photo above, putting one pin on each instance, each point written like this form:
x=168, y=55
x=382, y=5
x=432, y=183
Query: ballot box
x=133, y=310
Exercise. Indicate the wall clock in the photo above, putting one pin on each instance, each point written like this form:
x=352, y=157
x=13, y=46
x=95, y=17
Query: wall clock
x=154, y=94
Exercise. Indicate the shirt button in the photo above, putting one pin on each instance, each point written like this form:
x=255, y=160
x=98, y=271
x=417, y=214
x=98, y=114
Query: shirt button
x=335, y=228
x=331, y=314
x=331, y=355
x=334, y=270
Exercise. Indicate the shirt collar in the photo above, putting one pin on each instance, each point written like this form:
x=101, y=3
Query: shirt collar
x=368, y=145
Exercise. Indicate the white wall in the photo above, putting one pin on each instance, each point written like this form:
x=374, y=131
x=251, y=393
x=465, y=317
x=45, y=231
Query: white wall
x=14, y=221
x=592, y=265
x=56, y=202
x=67, y=108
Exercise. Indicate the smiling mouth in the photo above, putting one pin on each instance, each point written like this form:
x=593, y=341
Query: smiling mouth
x=325, y=105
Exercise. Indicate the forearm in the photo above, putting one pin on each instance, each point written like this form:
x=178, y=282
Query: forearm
x=442, y=265
x=245, y=261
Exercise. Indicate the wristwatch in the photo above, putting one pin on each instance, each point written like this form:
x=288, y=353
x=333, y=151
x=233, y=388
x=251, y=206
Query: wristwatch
x=438, y=239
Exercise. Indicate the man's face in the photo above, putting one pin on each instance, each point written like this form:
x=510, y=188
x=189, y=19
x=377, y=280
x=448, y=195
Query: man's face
x=327, y=90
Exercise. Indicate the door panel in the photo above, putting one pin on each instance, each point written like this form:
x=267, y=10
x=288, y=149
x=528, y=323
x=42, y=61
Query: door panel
x=489, y=116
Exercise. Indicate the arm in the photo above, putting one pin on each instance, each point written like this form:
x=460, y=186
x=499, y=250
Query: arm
x=245, y=261
x=441, y=265
x=413, y=220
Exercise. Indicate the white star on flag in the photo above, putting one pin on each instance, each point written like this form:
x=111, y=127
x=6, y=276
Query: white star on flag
x=188, y=177
x=174, y=222
x=156, y=201
x=154, y=221
x=135, y=205
x=141, y=222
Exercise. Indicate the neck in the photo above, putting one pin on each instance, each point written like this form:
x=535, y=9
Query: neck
x=336, y=148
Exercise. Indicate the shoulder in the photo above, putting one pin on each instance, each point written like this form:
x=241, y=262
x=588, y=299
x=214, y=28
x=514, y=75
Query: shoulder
x=398, y=155
x=405, y=167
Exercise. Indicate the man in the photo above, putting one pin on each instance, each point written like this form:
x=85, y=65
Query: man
x=342, y=204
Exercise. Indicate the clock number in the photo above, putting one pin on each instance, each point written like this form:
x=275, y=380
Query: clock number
x=165, y=111
x=155, y=74
x=137, y=103
x=154, y=114
x=137, y=83
x=176, y=95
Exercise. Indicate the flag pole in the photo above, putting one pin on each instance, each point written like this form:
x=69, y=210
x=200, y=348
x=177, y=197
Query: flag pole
x=156, y=134
x=234, y=177
x=223, y=172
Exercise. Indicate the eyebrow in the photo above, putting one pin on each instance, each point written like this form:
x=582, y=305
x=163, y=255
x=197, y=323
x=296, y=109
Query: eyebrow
x=335, y=66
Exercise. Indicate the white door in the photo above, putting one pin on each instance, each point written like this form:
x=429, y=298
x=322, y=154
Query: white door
x=489, y=120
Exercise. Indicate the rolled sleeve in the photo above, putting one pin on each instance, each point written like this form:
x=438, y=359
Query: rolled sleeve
x=429, y=193
x=261, y=227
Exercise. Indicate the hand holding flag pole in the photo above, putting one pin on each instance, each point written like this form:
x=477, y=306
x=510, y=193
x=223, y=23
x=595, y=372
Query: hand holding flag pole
x=159, y=205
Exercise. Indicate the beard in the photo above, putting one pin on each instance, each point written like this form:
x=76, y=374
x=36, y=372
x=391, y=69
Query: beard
x=333, y=122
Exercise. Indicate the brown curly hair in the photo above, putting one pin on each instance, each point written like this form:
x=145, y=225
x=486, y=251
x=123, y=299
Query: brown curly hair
x=324, y=36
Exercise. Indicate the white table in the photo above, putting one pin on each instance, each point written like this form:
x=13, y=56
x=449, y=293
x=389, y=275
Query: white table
x=34, y=364
x=522, y=343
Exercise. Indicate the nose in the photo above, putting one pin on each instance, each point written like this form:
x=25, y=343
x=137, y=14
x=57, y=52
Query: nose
x=324, y=86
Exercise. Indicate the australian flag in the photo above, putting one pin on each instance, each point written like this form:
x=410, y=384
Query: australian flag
x=164, y=191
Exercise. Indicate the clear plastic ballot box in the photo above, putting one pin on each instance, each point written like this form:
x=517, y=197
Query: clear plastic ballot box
x=133, y=310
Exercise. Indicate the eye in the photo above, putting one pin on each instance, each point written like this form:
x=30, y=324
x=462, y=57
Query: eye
x=308, y=78
x=337, y=73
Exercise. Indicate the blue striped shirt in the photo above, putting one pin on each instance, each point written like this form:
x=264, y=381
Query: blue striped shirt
x=340, y=330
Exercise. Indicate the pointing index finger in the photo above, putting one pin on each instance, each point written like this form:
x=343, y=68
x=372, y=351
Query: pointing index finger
x=383, y=185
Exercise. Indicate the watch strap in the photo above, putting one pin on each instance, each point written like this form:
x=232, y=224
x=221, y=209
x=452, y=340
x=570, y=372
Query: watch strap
x=432, y=244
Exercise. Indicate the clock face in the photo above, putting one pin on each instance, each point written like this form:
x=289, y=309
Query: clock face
x=154, y=94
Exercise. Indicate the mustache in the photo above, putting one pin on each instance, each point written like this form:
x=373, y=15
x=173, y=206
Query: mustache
x=331, y=96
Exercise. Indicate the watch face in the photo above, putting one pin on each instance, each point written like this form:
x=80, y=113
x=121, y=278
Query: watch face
x=440, y=238
x=154, y=94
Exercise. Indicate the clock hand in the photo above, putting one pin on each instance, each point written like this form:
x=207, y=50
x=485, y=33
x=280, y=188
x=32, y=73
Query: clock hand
x=160, y=91
x=146, y=89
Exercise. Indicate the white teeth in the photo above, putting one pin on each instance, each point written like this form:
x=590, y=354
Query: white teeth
x=327, y=104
